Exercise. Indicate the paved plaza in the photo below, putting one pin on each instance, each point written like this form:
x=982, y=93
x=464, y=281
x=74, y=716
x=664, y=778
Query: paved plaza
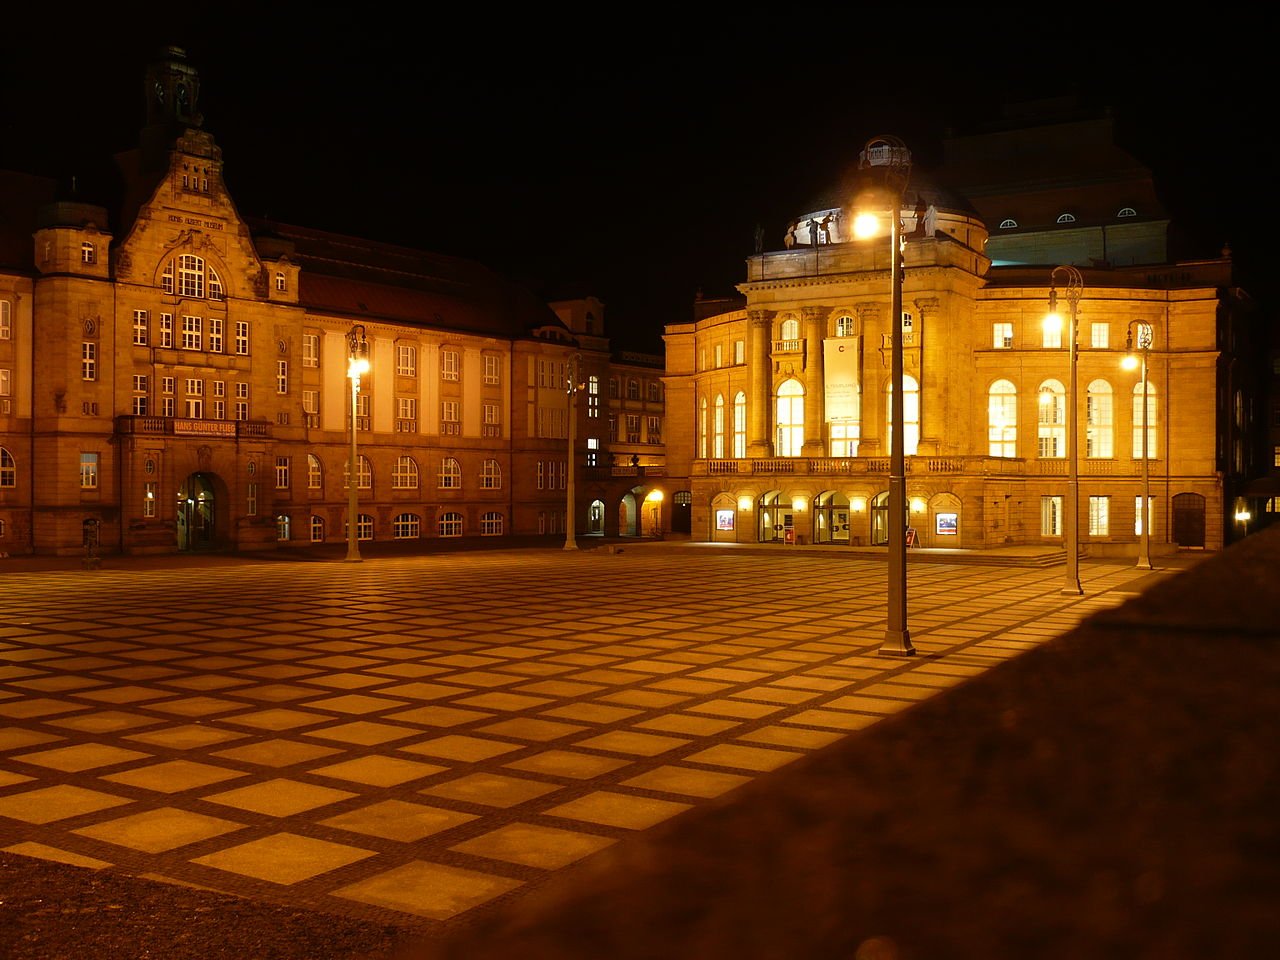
x=407, y=740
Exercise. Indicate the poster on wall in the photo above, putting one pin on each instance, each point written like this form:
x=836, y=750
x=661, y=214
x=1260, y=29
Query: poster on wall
x=840, y=371
x=948, y=524
x=724, y=519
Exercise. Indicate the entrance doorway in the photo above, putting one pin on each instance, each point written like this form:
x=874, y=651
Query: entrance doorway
x=1188, y=520
x=773, y=521
x=831, y=518
x=197, y=513
x=595, y=517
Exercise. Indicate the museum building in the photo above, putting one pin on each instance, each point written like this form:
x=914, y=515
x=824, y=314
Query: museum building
x=779, y=399
x=174, y=375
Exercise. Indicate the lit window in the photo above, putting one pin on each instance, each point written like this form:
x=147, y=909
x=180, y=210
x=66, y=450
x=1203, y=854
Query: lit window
x=88, y=471
x=1008, y=224
x=717, y=436
x=1099, y=434
x=88, y=361
x=450, y=474
x=190, y=276
x=1137, y=515
x=406, y=526
x=492, y=370
x=317, y=529
x=1002, y=335
x=87, y=253
x=283, y=527
x=315, y=472
x=790, y=329
x=740, y=425
x=1099, y=516
x=148, y=499
x=1100, y=336
x=1066, y=218
x=1050, y=516
x=8, y=470
x=282, y=473
x=910, y=415
x=790, y=419
x=449, y=364
x=280, y=283
x=1126, y=212
x=451, y=524
x=1002, y=419
x=140, y=318
x=406, y=360
x=311, y=350
x=282, y=376
x=739, y=352
x=1153, y=417
x=1051, y=436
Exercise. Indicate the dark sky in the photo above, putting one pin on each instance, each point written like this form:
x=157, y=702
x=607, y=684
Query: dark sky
x=629, y=159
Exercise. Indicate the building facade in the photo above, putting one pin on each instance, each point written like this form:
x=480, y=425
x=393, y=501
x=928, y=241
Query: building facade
x=780, y=400
x=174, y=375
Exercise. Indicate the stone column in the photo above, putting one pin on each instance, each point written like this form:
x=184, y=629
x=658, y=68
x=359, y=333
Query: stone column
x=813, y=329
x=760, y=396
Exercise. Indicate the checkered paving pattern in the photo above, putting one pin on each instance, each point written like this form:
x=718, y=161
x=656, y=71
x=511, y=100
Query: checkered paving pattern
x=406, y=740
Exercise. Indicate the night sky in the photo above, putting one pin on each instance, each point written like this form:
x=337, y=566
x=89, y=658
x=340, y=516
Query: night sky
x=630, y=160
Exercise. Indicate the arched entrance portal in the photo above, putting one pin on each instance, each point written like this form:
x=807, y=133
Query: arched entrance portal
x=773, y=520
x=880, y=519
x=197, y=513
x=595, y=517
x=628, y=516
x=831, y=518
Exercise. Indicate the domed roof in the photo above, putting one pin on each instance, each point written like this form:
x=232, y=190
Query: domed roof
x=922, y=187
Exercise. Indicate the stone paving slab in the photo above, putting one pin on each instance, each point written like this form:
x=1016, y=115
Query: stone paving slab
x=410, y=740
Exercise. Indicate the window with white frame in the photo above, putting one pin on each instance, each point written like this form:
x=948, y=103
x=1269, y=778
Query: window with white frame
x=1137, y=515
x=717, y=353
x=790, y=419
x=282, y=473
x=1050, y=516
x=190, y=276
x=282, y=376
x=450, y=474
x=450, y=524
x=315, y=472
x=6, y=320
x=6, y=389
x=141, y=390
x=194, y=398
x=406, y=526
x=655, y=392
x=845, y=437
x=283, y=527
x=88, y=471
x=166, y=278
x=215, y=286
x=717, y=428
x=703, y=436
x=1002, y=335
x=1100, y=335
x=8, y=470
x=633, y=428
x=739, y=425
x=1099, y=426
x=406, y=360
x=1008, y=224
x=141, y=326
x=491, y=524
x=789, y=329
x=633, y=389
x=1153, y=418
x=242, y=401
x=317, y=529
x=364, y=473
x=149, y=500
x=593, y=396
x=448, y=364
x=166, y=330
x=1051, y=434
x=311, y=349
x=88, y=361
x=449, y=416
x=281, y=285
x=87, y=253
x=1002, y=419
x=653, y=429
x=910, y=415
x=739, y=352
x=364, y=527
x=406, y=415
x=492, y=370
x=1066, y=218
x=844, y=326
x=1052, y=333
x=490, y=475
x=1099, y=516
x=242, y=338
x=404, y=475
x=215, y=334
x=492, y=416
x=191, y=333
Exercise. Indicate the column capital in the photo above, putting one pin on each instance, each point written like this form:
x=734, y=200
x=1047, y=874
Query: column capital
x=759, y=317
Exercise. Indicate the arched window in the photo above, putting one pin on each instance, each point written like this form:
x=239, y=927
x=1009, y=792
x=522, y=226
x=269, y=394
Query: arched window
x=844, y=326
x=1153, y=418
x=315, y=472
x=702, y=429
x=718, y=442
x=8, y=470
x=491, y=524
x=216, y=291
x=1002, y=419
x=1099, y=420
x=1051, y=438
x=190, y=276
x=364, y=473
x=450, y=524
x=1066, y=218
x=1127, y=212
x=910, y=415
x=283, y=527
x=740, y=426
x=406, y=526
x=491, y=475
x=790, y=329
x=404, y=475
x=790, y=419
x=450, y=474
x=1008, y=224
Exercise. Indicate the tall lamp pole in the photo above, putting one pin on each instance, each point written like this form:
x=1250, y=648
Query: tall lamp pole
x=357, y=364
x=572, y=386
x=1145, y=336
x=1072, y=291
x=886, y=163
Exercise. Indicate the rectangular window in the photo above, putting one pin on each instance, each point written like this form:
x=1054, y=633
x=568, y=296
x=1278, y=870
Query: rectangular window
x=88, y=471
x=311, y=349
x=215, y=334
x=654, y=427
x=191, y=330
x=282, y=376
x=140, y=327
x=140, y=391
x=88, y=361
x=195, y=399
x=219, y=409
x=719, y=355
x=167, y=385
x=492, y=370
x=1137, y=514
x=1052, y=337
x=190, y=277
x=311, y=407
x=242, y=401
x=242, y=338
x=406, y=415
x=1002, y=335
x=166, y=329
x=448, y=416
x=1099, y=516
x=148, y=499
x=6, y=388
x=6, y=320
x=167, y=406
x=219, y=388
x=739, y=352
x=449, y=364
x=251, y=500
x=406, y=360
x=282, y=473
x=1050, y=516
x=1100, y=336
x=633, y=428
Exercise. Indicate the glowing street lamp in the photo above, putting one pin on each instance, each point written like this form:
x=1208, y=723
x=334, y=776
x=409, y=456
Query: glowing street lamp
x=1074, y=289
x=357, y=364
x=885, y=167
x=1145, y=336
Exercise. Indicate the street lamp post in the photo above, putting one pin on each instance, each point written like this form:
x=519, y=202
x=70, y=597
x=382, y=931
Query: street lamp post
x=572, y=386
x=357, y=364
x=1145, y=336
x=1073, y=290
x=885, y=162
